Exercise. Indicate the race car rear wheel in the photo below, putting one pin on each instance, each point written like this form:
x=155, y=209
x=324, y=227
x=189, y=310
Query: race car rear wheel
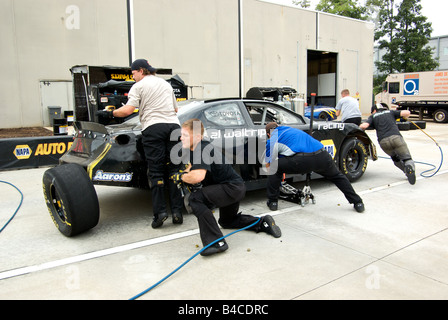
x=71, y=199
x=353, y=159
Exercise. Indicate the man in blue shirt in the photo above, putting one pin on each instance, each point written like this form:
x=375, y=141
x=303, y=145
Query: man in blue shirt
x=290, y=150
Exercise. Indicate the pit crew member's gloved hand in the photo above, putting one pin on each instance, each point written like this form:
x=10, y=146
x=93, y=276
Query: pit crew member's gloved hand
x=177, y=177
x=107, y=114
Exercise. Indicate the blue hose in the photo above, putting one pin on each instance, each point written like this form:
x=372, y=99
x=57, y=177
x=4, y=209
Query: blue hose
x=433, y=166
x=427, y=164
x=20, y=204
x=191, y=258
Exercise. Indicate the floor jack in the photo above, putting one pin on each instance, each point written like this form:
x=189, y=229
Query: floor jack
x=302, y=197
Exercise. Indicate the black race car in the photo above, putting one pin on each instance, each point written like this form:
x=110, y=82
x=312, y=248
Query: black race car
x=113, y=155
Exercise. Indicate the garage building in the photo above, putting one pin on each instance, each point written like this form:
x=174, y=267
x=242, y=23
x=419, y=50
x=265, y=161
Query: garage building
x=220, y=48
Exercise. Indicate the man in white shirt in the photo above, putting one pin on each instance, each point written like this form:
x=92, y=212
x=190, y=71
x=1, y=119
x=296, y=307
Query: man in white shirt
x=157, y=110
x=349, y=107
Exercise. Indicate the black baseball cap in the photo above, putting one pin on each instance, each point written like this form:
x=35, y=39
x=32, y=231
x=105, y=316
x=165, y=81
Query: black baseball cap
x=378, y=106
x=142, y=63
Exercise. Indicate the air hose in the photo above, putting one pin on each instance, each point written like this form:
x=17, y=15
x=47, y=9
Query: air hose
x=191, y=258
x=20, y=204
x=441, y=155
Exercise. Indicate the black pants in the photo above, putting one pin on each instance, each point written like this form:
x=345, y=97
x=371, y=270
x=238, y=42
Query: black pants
x=319, y=162
x=356, y=120
x=157, y=146
x=227, y=198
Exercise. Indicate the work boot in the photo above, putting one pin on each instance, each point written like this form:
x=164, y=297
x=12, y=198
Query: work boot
x=359, y=207
x=410, y=173
x=158, y=220
x=177, y=218
x=218, y=247
x=268, y=225
x=272, y=204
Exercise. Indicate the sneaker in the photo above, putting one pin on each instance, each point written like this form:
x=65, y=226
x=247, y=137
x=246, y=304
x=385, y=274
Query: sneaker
x=273, y=205
x=218, y=247
x=359, y=207
x=410, y=173
x=158, y=220
x=268, y=225
x=177, y=218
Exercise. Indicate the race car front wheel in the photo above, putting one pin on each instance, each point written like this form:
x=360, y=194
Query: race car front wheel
x=353, y=159
x=71, y=199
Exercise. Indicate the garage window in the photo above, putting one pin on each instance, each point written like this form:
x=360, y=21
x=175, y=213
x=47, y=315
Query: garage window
x=227, y=114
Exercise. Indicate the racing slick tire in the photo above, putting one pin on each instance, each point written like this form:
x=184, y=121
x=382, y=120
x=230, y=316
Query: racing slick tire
x=353, y=159
x=71, y=199
x=417, y=124
x=324, y=116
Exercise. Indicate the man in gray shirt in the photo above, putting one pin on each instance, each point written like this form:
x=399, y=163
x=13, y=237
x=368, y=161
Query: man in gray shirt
x=349, y=107
x=157, y=110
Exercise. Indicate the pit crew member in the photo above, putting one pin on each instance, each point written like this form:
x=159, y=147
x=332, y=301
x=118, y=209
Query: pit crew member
x=349, y=107
x=290, y=150
x=157, y=110
x=390, y=138
x=221, y=187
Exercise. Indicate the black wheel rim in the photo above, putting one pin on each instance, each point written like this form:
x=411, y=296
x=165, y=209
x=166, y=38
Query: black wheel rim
x=57, y=204
x=352, y=160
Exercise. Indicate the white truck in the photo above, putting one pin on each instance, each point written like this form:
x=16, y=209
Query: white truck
x=424, y=93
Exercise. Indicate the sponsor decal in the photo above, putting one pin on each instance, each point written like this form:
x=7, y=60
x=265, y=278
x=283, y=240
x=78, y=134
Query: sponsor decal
x=330, y=147
x=44, y=149
x=100, y=175
x=121, y=76
x=22, y=151
x=236, y=133
x=331, y=125
x=411, y=86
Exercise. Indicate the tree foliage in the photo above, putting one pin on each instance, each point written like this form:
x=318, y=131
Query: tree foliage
x=403, y=34
x=302, y=3
x=346, y=8
x=413, y=37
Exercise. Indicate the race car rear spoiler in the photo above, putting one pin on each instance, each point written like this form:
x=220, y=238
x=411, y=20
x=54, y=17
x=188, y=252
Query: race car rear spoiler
x=90, y=126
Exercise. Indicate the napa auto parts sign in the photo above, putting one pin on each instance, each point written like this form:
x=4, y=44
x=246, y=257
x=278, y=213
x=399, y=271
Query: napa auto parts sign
x=31, y=152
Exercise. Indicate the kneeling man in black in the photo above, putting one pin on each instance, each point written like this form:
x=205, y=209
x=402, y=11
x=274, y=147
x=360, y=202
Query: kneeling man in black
x=221, y=187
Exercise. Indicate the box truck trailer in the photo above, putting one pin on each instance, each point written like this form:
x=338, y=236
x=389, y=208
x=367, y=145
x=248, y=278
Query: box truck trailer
x=424, y=93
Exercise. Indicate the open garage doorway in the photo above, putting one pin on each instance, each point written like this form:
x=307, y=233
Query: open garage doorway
x=321, y=77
